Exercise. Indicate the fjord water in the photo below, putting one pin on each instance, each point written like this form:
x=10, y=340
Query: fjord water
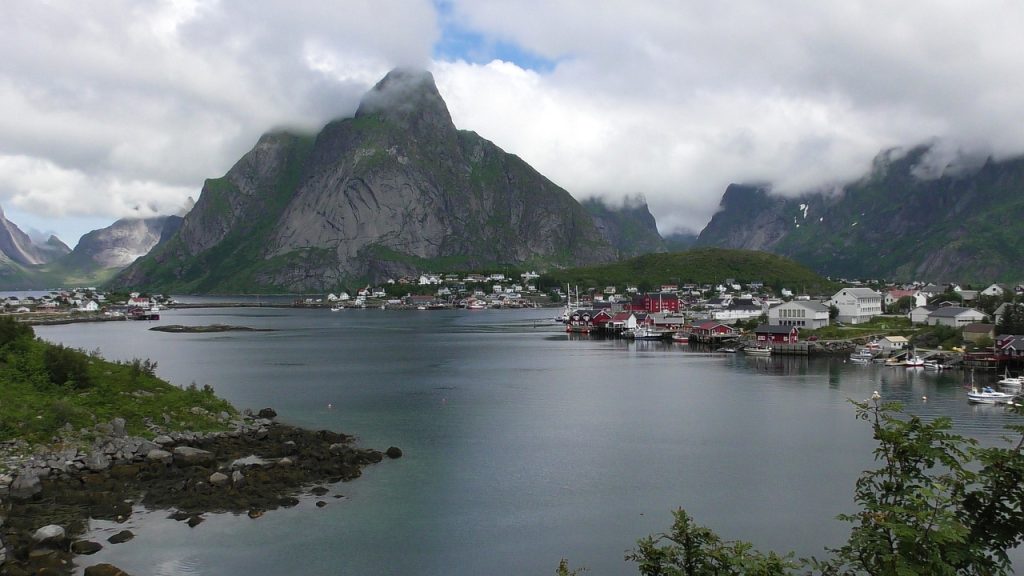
x=522, y=445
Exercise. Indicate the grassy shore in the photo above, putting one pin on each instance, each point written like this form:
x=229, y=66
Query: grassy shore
x=49, y=391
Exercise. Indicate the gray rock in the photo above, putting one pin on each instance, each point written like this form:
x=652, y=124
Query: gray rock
x=285, y=462
x=158, y=455
x=26, y=486
x=117, y=427
x=163, y=439
x=97, y=462
x=120, y=537
x=85, y=547
x=218, y=479
x=338, y=448
x=393, y=452
x=49, y=535
x=189, y=456
x=237, y=479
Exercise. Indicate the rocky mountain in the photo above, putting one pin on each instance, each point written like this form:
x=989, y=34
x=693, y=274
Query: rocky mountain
x=900, y=221
x=98, y=256
x=395, y=189
x=630, y=227
x=119, y=244
x=17, y=247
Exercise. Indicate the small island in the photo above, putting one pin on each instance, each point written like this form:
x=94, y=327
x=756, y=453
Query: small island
x=180, y=329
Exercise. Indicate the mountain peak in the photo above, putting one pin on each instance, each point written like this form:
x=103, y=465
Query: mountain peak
x=409, y=97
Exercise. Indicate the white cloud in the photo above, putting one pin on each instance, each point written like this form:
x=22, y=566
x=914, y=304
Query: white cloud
x=134, y=104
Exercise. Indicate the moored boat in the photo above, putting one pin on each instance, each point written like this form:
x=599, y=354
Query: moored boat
x=759, y=350
x=989, y=396
x=681, y=337
x=1012, y=383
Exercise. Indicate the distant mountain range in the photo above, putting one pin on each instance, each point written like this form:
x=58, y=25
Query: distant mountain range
x=99, y=255
x=398, y=190
x=896, y=222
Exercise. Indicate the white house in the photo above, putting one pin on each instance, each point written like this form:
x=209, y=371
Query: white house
x=891, y=344
x=920, y=314
x=918, y=297
x=736, y=312
x=955, y=316
x=857, y=305
x=994, y=290
x=803, y=313
x=89, y=306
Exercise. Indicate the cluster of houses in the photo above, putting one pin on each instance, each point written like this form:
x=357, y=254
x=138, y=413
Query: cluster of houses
x=673, y=307
x=77, y=301
x=468, y=291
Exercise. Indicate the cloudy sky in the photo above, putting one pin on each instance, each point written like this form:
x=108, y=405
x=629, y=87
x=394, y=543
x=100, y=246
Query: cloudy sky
x=123, y=107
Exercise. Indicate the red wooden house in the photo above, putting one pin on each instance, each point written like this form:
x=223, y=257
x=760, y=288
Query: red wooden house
x=766, y=334
x=713, y=328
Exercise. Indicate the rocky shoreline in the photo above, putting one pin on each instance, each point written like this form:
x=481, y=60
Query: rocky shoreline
x=255, y=465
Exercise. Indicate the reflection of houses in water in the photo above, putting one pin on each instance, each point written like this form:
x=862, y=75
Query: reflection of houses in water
x=783, y=365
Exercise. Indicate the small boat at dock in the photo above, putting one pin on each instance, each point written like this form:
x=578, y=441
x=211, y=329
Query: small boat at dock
x=759, y=350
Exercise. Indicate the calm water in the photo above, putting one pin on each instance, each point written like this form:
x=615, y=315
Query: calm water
x=522, y=445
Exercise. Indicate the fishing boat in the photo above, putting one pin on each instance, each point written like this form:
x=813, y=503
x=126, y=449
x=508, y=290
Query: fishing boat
x=759, y=350
x=862, y=356
x=681, y=337
x=914, y=361
x=989, y=396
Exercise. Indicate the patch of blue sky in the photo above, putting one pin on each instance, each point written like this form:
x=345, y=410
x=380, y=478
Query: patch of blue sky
x=460, y=43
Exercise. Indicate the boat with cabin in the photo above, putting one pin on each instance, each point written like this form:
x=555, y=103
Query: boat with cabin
x=1011, y=383
x=759, y=350
x=989, y=396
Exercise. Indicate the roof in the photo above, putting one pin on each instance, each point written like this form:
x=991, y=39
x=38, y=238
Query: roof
x=808, y=304
x=896, y=339
x=859, y=293
x=951, y=312
x=978, y=328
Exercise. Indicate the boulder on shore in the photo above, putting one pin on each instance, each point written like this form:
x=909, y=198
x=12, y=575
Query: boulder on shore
x=49, y=535
x=189, y=456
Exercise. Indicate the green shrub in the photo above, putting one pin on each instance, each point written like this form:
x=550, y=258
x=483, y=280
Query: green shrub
x=11, y=330
x=67, y=367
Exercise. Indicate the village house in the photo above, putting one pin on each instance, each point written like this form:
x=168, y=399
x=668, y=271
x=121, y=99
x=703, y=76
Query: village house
x=920, y=314
x=955, y=316
x=738, y=311
x=660, y=302
x=711, y=328
x=995, y=290
x=857, y=305
x=1010, y=347
x=623, y=321
x=916, y=296
x=890, y=344
x=977, y=331
x=802, y=313
x=768, y=334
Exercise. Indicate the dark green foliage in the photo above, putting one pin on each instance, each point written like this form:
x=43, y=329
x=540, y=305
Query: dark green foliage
x=1012, y=320
x=66, y=367
x=935, y=336
x=698, y=266
x=694, y=550
x=11, y=330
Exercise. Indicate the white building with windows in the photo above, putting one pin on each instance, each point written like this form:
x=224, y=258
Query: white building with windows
x=800, y=313
x=857, y=305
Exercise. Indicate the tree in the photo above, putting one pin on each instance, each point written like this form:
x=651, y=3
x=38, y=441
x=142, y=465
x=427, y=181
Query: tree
x=833, y=312
x=938, y=504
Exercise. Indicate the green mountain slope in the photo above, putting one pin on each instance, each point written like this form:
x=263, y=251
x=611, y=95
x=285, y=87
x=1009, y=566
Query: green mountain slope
x=697, y=266
x=892, y=224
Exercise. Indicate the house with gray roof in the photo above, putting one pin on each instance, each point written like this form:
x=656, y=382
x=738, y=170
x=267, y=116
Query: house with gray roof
x=955, y=316
x=857, y=305
x=800, y=313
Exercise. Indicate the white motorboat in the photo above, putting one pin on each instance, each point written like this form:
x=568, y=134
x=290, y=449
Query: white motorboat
x=1011, y=383
x=862, y=356
x=759, y=350
x=989, y=396
x=914, y=361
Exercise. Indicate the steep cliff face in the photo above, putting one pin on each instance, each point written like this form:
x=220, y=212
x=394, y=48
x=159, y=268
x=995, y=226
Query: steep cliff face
x=395, y=189
x=17, y=247
x=630, y=227
x=119, y=244
x=961, y=225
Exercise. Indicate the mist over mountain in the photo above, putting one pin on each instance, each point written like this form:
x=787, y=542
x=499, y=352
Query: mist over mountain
x=394, y=190
x=906, y=220
x=629, y=227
